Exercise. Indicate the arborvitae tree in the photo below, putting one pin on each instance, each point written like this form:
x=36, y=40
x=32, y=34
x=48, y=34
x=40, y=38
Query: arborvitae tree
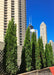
x=37, y=57
x=51, y=53
x=11, y=49
x=42, y=54
x=33, y=48
x=27, y=46
x=47, y=55
x=23, y=62
x=4, y=56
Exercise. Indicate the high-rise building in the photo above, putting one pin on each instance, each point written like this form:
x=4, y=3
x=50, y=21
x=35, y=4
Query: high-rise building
x=33, y=30
x=30, y=26
x=36, y=32
x=43, y=33
x=13, y=9
x=52, y=43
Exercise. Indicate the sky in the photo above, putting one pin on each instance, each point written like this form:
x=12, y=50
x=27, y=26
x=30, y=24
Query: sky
x=39, y=11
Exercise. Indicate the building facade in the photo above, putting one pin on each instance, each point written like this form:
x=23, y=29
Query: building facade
x=13, y=9
x=33, y=30
x=43, y=33
x=52, y=43
x=36, y=32
x=30, y=26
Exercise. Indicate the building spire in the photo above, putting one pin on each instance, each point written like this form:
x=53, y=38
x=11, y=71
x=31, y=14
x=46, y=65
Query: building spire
x=30, y=20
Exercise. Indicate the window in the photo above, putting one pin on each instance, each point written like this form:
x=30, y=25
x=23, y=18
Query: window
x=20, y=33
x=20, y=42
x=20, y=38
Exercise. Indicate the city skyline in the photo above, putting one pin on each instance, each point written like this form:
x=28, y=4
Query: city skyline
x=40, y=11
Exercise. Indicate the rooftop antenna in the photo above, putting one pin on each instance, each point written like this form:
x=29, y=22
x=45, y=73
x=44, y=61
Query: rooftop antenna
x=30, y=20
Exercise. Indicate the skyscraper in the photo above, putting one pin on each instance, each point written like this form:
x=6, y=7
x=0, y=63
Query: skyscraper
x=33, y=30
x=52, y=43
x=36, y=32
x=30, y=26
x=43, y=33
x=13, y=9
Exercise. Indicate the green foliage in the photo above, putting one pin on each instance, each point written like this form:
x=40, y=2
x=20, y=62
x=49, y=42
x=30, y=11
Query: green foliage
x=51, y=53
x=37, y=57
x=53, y=60
x=23, y=62
x=27, y=46
x=48, y=64
x=48, y=55
x=11, y=49
x=33, y=47
x=42, y=54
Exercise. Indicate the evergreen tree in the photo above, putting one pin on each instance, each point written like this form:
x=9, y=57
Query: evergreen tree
x=33, y=47
x=51, y=53
x=4, y=56
x=23, y=62
x=42, y=54
x=11, y=49
x=37, y=57
x=27, y=46
x=47, y=56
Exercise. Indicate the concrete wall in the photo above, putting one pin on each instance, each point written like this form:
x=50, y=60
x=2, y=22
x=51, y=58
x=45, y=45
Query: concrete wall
x=19, y=53
x=1, y=56
x=45, y=71
x=1, y=51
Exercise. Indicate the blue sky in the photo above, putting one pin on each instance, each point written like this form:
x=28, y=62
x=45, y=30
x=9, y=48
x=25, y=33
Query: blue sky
x=41, y=10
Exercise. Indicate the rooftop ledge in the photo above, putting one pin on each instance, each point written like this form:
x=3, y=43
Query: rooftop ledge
x=45, y=71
